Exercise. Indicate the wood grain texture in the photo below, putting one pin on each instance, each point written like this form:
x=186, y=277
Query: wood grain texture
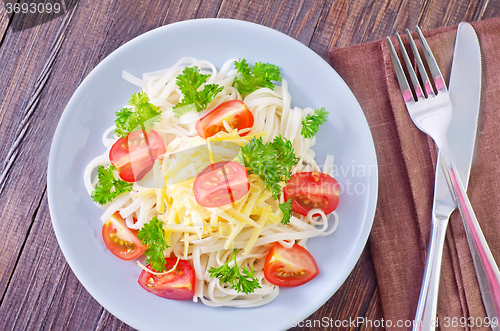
x=151, y=15
x=349, y=302
x=344, y=22
x=298, y=19
x=373, y=314
x=28, y=58
x=4, y=23
x=489, y=9
x=43, y=293
x=42, y=67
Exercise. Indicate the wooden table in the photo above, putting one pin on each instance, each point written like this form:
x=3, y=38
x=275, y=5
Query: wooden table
x=43, y=65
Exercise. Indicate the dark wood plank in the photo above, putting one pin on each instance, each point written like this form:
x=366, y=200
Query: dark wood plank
x=439, y=13
x=4, y=22
x=298, y=19
x=350, y=302
x=43, y=293
x=27, y=59
x=345, y=23
x=373, y=314
x=108, y=322
x=489, y=10
x=151, y=15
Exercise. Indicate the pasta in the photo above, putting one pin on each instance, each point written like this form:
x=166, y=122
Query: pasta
x=207, y=236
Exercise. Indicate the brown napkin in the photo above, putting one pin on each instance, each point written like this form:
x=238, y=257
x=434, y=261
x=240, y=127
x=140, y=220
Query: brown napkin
x=406, y=161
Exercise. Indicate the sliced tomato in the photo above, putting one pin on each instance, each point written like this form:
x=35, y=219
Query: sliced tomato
x=175, y=285
x=234, y=112
x=310, y=190
x=120, y=240
x=135, y=155
x=220, y=184
x=289, y=267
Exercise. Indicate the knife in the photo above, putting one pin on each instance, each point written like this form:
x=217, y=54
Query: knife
x=465, y=91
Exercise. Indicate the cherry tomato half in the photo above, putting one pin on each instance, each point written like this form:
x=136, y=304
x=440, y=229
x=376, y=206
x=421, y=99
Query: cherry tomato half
x=289, y=267
x=121, y=240
x=176, y=285
x=234, y=112
x=136, y=154
x=310, y=190
x=220, y=184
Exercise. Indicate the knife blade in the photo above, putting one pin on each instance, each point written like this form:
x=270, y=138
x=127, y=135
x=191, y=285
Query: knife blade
x=465, y=91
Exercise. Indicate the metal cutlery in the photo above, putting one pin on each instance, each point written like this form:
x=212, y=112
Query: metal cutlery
x=465, y=91
x=432, y=113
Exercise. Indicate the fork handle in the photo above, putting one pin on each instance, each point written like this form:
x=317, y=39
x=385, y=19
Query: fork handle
x=427, y=303
x=488, y=275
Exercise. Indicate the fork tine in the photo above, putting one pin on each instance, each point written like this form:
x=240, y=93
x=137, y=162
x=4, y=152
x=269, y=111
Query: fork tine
x=421, y=69
x=411, y=71
x=431, y=61
x=403, y=83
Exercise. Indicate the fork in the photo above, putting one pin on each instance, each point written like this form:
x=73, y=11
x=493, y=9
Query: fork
x=431, y=111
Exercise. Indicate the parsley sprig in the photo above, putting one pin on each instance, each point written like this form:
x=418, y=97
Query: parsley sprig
x=310, y=125
x=243, y=281
x=108, y=187
x=189, y=82
x=153, y=237
x=286, y=208
x=271, y=161
x=140, y=116
x=250, y=79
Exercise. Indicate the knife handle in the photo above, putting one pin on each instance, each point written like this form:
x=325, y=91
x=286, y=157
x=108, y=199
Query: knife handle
x=488, y=275
x=425, y=318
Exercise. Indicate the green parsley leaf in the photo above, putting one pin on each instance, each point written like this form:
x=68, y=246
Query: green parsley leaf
x=153, y=237
x=189, y=81
x=240, y=281
x=272, y=161
x=310, y=125
x=286, y=208
x=285, y=156
x=108, y=187
x=250, y=79
x=142, y=115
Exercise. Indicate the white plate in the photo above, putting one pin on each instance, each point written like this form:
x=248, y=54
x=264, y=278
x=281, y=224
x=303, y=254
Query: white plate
x=312, y=82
